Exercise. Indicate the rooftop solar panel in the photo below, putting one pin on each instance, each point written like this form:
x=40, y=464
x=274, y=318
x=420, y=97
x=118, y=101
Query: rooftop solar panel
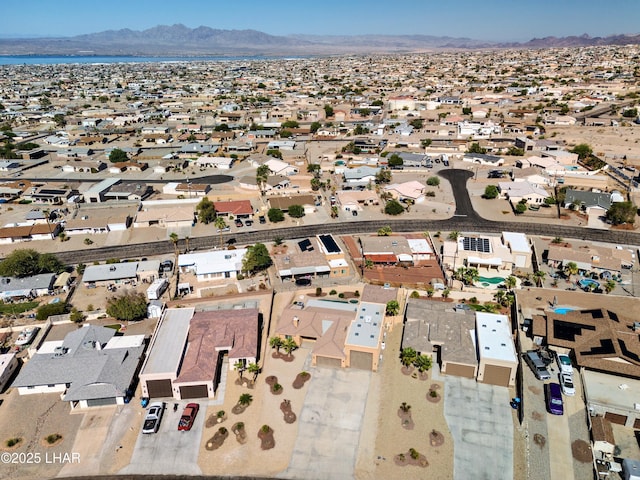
x=329, y=243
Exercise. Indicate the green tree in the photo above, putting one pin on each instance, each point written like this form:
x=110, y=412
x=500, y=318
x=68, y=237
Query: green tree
x=521, y=208
x=393, y=207
x=433, y=181
x=245, y=400
x=128, y=306
x=583, y=150
x=425, y=142
x=254, y=369
x=392, y=308
x=383, y=176
x=27, y=262
x=275, y=153
x=262, y=174
x=59, y=120
x=45, y=311
x=510, y=282
x=453, y=235
x=609, y=286
x=173, y=237
x=384, y=231
x=539, y=276
x=395, y=160
x=422, y=363
x=286, y=134
x=223, y=127
x=416, y=123
x=239, y=367
x=275, y=215
x=328, y=111
x=117, y=156
x=290, y=124
x=622, y=212
x=515, y=152
x=491, y=192
x=206, y=211
x=296, y=211
x=314, y=127
x=276, y=342
x=220, y=225
x=289, y=345
x=476, y=148
x=408, y=355
x=630, y=113
x=571, y=269
x=257, y=258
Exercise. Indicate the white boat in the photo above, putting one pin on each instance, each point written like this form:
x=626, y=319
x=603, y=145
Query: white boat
x=27, y=335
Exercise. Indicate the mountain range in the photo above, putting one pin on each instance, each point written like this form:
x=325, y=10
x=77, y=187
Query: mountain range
x=181, y=40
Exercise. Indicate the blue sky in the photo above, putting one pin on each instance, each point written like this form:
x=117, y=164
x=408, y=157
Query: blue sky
x=500, y=20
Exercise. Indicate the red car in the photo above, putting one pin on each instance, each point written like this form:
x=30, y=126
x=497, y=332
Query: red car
x=188, y=416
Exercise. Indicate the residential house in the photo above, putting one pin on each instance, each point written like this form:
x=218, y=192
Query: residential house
x=171, y=217
x=523, y=190
x=412, y=191
x=186, y=354
x=91, y=367
x=12, y=289
x=235, y=208
x=483, y=159
x=283, y=203
x=8, y=365
x=390, y=250
x=218, y=264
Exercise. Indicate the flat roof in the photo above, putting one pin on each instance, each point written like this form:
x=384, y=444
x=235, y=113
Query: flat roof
x=165, y=353
x=329, y=243
x=494, y=337
x=103, y=185
x=110, y=271
x=517, y=241
x=365, y=329
x=611, y=390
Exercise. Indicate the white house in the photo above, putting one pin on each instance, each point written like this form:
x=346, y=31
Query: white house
x=516, y=191
x=213, y=265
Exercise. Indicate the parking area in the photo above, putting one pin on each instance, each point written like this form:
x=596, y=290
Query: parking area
x=481, y=423
x=169, y=450
x=550, y=437
x=330, y=423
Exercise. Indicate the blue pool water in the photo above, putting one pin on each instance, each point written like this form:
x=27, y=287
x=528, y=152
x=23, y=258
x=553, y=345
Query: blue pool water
x=563, y=310
x=588, y=282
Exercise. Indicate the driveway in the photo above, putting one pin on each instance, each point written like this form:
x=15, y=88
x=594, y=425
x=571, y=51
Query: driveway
x=169, y=451
x=480, y=420
x=330, y=425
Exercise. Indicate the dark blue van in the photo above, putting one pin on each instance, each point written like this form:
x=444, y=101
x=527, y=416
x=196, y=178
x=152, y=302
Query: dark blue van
x=554, y=399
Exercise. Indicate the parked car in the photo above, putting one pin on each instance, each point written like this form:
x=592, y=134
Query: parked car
x=262, y=219
x=153, y=418
x=564, y=363
x=566, y=382
x=166, y=266
x=239, y=223
x=222, y=230
x=248, y=223
x=533, y=359
x=188, y=416
x=554, y=399
x=354, y=213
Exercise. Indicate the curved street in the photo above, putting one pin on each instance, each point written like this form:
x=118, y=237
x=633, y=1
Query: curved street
x=465, y=219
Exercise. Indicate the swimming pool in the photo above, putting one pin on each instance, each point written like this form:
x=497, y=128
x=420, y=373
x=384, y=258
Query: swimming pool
x=491, y=280
x=588, y=283
x=563, y=310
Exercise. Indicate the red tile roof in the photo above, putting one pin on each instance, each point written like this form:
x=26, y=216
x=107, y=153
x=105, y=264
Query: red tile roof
x=235, y=207
x=212, y=332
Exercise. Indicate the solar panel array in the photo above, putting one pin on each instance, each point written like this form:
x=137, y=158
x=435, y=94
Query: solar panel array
x=472, y=244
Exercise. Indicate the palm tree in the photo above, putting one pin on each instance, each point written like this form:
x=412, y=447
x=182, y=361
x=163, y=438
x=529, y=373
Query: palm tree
x=405, y=407
x=454, y=235
x=186, y=241
x=262, y=174
x=539, y=277
x=609, y=286
x=571, y=268
x=510, y=282
x=471, y=276
x=407, y=356
x=423, y=363
x=499, y=296
x=460, y=273
x=220, y=224
x=245, y=400
x=240, y=367
x=173, y=236
x=289, y=345
x=445, y=293
x=276, y=342
x=253, y=368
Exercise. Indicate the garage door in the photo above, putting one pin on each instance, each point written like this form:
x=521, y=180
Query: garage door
x=361, y=360
x=100, y=402
x=328, y=362
x=616, y=418
x=159, y=388
x=497, y=375
x=466, y=371
x=636, y=424
x=194, y=391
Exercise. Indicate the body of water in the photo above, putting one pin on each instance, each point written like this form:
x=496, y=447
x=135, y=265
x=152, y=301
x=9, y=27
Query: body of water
x=71, y=59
